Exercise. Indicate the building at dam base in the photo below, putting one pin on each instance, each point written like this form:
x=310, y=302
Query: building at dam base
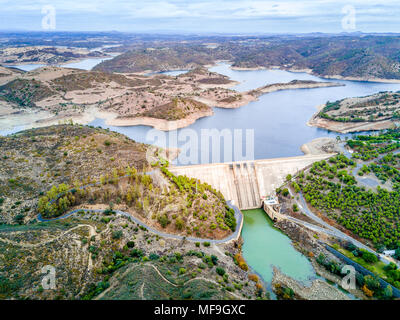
x=248, y=183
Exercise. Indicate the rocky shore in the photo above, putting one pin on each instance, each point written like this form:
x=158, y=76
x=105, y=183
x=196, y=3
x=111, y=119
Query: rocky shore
x=347, y=127
x=160, y=124
x=294, y=84
x=320, y=146
x=319, y=289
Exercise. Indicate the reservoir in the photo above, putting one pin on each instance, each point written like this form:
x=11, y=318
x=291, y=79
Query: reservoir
x=277, y=119
x=85, y=64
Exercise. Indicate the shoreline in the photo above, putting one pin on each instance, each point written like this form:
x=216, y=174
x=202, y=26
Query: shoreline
x=293, y=85
x=311, y=72
x=159, y=124
x=111, y=118
x=320, y=146
x=347, y=127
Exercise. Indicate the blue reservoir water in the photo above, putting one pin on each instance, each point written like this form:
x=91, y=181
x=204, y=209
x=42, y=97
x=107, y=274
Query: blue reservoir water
x=277, y=119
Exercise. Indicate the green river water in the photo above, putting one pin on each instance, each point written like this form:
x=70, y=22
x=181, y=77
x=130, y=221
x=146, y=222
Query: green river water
x=266, y=246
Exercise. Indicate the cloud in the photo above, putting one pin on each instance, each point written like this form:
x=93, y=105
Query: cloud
x=320, y=12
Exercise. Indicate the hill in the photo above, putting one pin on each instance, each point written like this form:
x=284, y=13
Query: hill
x=375, y=112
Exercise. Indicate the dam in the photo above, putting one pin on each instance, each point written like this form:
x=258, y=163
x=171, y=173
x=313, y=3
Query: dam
x=248, y=183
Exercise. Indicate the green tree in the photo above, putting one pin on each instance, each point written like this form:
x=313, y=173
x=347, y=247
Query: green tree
x=388, y=292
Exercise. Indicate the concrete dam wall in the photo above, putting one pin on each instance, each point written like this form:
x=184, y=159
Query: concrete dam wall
x=247, y=182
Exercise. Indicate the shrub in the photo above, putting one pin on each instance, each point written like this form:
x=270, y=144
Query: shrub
x=136, y=253
x=179, y=223
x=367, y=292
x=202, y=266
x=182, y=270
x=117, y=235
x=163, y=220
x=388, y=292
x=230, y=220
x=108, y=212
x=206, y=244
x=130, y=244
x=369, y=257
x=154, y=256
x=253, y=277
x=372, y=282
x=19, y=218
x=220, y=271
x=241, y=262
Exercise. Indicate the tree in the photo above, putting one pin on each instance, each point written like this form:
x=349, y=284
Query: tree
x=368, y=293
x=220, y=271
x=117, y=234
x=397, y=254
x=179, y=223
x=163, y=220
x=372, y=282
x=369, y=257
x=388, y=292
x=19, y=218
x=285, y=192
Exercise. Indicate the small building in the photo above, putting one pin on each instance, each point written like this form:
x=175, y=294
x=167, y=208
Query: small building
x=389, y=253
x=272, y=207
x=271, y=201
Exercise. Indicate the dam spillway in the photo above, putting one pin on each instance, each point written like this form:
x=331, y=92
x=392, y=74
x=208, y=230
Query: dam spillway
x=246, y=183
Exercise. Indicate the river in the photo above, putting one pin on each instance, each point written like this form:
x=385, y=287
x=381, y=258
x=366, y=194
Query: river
x=85, y=64
x=265, y=246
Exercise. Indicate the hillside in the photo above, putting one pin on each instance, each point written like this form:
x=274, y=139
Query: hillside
x=178, y=108
x=57, y=169
x=34, y=161
x=171, y=57
x=375, y=112
x=106, y=256
x=56, y=94
x=361, y=57
x=44, y=55
x=355, y=57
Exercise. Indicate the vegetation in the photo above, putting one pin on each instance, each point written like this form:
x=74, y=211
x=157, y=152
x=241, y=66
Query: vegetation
x=331, y=187
x=377, y=107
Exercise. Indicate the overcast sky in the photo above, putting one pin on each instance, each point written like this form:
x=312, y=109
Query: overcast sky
x=204, y=16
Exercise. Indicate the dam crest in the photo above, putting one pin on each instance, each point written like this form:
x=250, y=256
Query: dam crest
x=248, y=183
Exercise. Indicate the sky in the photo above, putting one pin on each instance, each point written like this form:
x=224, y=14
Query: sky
x=202, y=16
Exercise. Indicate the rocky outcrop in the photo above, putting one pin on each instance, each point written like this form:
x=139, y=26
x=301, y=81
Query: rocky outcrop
x=319, y=290
x=299, y=235
x=294, y=84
